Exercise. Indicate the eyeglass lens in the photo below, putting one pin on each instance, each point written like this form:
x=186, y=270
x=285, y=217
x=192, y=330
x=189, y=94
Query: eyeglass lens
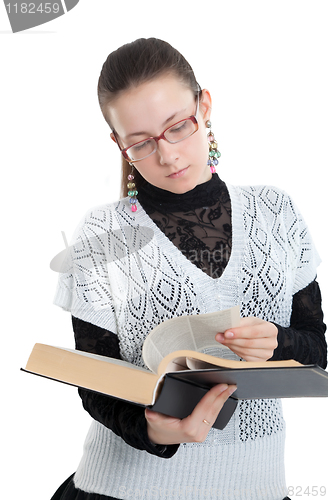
x=178, y=132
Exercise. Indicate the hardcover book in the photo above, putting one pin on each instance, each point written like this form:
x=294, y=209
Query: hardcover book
x=176, y=378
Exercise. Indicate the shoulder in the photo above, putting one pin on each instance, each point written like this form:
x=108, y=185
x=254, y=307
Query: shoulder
x=107, y=210
x=260, y=192
x=267, y=198
x=107, y=216
x=113, y=226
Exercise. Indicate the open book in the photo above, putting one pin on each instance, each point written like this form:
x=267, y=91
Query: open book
x=178, y=378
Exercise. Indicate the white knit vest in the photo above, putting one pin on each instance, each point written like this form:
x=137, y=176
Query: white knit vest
x=126, y=276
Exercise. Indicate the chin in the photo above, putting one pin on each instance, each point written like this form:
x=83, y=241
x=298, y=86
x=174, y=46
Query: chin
x=184, y=190
x=181, y=188
x=187, y=184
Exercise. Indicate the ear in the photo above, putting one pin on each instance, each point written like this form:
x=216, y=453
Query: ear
x=205, y=104
x=113, y=137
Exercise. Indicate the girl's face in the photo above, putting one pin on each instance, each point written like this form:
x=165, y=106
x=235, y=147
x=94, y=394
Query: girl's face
x=146, y=111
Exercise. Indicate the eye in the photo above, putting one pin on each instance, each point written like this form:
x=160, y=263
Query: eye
x=178, y=128
x=141, y=145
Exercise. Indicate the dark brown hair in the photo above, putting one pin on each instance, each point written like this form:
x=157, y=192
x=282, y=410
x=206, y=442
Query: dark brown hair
x=135, y=63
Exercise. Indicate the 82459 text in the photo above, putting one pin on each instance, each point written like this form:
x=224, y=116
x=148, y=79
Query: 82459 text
x=309, y=491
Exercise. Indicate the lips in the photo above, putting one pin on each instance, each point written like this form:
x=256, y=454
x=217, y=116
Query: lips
x=179, y=173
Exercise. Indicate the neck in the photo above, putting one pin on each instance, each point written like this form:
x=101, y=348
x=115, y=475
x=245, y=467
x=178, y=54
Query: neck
x=202, y=195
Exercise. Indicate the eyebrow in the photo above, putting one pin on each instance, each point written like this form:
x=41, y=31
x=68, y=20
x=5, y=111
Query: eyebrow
x=163, y=125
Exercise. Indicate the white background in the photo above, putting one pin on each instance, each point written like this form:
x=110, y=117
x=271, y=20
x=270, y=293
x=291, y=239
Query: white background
x=265, y=64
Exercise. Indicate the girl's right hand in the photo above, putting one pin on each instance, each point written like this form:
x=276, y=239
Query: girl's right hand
x=194, y=428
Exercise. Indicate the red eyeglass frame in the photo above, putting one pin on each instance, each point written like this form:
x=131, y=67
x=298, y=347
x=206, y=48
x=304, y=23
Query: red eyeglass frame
x=159, y=137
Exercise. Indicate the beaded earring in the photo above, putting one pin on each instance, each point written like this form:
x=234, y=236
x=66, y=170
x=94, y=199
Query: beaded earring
x=132, y=193
x=214, y=154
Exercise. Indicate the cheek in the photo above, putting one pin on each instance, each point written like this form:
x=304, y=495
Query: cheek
x=201, y=146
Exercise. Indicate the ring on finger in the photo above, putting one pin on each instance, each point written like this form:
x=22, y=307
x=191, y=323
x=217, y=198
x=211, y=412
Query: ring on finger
x=206, y=422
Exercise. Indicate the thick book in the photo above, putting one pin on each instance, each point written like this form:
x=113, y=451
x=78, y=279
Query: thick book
x=176, y=379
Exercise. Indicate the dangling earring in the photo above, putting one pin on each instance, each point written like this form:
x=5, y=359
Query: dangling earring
x=214, y=154
x=132, y=193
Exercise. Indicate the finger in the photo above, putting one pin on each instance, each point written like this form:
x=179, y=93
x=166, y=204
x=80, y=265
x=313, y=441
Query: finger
x=217, y=405
x=206, y=402
x=249, y=322
x=211, y=404
x=266, y=332
x=168, y=430
x=240, y=333
x=248, y=332
x=151, y=415
x=261, y=343
x=155, y=417
x=263, y=329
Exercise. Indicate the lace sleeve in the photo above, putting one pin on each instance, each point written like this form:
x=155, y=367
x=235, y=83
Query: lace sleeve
x=304, y=340
x=124, y=419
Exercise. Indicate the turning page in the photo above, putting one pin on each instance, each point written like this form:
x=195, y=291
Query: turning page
x=195, y=333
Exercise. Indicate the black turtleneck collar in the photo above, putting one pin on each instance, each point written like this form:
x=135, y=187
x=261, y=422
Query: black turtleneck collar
x=203, y=195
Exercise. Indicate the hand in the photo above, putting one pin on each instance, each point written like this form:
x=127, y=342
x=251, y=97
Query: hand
x=254, y=340
x=168, y=430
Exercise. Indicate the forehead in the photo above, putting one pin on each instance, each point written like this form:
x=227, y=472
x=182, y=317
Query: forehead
x=147, y=106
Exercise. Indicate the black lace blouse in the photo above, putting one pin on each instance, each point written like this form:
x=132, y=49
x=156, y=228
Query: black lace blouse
x=199, y=224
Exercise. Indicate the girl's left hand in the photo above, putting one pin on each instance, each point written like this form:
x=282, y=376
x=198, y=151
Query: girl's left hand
x=254, y=340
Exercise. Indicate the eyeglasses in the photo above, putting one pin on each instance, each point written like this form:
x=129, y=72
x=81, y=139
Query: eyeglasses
x=173, y=134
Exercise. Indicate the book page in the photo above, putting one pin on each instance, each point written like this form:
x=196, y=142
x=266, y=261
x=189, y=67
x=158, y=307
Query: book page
x=195, y=333
x=197, y=364
x=105, y=359
x=110, y=376
x=198, y=361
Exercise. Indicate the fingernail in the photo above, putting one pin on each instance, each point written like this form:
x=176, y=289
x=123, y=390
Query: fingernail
x=223, y=387
x=219, y=337
x=229, y=335
x=232, y=390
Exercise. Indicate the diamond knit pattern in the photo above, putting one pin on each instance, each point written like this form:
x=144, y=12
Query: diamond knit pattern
x=124, y=275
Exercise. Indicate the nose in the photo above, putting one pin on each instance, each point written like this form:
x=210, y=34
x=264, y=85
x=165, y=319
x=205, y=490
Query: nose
x=167, y=152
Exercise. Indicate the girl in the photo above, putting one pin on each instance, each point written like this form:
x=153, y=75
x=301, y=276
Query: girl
x=179, y=242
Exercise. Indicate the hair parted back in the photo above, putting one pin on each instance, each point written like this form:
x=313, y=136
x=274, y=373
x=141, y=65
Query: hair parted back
x=136, y=63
